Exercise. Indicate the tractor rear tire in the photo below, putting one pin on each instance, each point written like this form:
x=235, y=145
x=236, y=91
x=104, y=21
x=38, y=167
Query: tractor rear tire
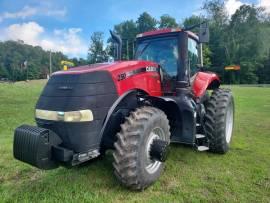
x=132, y=164
x=219, y=120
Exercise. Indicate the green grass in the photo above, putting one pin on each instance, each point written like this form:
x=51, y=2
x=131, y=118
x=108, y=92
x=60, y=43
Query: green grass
x=242, y=175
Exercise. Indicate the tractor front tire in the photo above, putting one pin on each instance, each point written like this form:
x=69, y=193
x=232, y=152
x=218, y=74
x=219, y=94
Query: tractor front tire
x=219, y=120
x=132, y=164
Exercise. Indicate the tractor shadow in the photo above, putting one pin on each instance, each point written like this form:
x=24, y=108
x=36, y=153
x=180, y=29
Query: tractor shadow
x=96, y=176
x=92, y=177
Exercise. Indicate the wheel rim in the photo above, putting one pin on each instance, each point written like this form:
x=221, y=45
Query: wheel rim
x=229, y=123
x=152, y=166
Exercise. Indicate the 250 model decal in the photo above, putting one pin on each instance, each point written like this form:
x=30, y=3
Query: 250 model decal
x=128, y=74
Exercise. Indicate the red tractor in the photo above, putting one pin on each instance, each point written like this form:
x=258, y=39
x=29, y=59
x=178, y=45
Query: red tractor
x=136, y=108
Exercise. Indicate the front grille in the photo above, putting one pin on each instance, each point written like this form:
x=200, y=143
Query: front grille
x=95, y=91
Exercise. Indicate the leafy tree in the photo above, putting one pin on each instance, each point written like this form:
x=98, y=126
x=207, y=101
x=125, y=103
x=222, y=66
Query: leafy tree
x=193, y=20
x=146, y=23
x=264, y=30
x=207, y=56
x=243, y=35
x=263, y=71
x=216, y=12
x=128, y=31
x=243, y=44
x=166, y=21
x=218, y=21
x=79, y=62
x=96, y=52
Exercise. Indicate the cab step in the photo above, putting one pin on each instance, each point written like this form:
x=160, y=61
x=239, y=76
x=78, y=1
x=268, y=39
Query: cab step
x=200, y=136
x=199, y=127
x=201, y=142
x=202, y=148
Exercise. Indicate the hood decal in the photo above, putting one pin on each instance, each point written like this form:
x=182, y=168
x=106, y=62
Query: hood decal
x=125, y=75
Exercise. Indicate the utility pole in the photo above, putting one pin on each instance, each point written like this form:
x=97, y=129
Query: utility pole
x=25, y=64
x=50, y=63
x=13, y=73
x=26, y=73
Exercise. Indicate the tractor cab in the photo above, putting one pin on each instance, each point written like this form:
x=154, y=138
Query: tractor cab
x=176, y=51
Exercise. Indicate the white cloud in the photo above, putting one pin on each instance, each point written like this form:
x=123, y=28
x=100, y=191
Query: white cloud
x=67, y=41
x=28, y=11
x=232, y=5
x=265, y=4
x=53, y=12
x=23, y=13
x=28, y=32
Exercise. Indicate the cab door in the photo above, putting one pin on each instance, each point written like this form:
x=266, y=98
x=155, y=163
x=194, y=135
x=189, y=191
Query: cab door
x=193, y=57
x=165, y=52
x=169, y=66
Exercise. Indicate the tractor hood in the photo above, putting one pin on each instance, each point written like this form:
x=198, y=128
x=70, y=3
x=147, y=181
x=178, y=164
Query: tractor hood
x=123, y=74
x=114, y=67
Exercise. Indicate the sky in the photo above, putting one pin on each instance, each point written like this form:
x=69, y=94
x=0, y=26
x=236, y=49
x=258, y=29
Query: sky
x=66, y=25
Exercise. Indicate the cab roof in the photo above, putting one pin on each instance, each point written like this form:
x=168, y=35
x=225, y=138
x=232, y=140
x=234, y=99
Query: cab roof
x=166, y=31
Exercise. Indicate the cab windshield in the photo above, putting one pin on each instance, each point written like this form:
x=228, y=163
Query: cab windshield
x=162, y=51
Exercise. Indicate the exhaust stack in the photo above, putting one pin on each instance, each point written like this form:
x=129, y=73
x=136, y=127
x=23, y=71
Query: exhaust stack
x=118, y=41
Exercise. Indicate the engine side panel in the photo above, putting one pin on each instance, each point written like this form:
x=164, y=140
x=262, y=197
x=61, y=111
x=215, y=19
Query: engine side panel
x=143, y=77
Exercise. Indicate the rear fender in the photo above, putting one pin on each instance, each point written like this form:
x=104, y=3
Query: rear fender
x=204, y=81
x=181, y=114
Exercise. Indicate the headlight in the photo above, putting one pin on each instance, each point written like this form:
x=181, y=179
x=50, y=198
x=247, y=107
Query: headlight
x=69, y=116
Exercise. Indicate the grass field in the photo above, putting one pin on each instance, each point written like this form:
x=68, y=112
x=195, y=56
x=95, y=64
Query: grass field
x=242, y=175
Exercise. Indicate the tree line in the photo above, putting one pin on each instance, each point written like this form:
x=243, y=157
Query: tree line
x=19, y=61
x=241, y=39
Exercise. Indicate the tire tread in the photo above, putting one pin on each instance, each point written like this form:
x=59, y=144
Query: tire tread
x=125, y=163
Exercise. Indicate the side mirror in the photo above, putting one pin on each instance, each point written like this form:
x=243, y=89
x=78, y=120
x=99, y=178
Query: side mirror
x=204, y=33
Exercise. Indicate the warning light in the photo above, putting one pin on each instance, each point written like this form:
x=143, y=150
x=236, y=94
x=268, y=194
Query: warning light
x=233, y=67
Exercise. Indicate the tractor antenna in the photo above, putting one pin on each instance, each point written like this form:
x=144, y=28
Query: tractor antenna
x=118, y=41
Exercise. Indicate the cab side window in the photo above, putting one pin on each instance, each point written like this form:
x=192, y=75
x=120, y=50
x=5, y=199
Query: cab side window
x=193, y=56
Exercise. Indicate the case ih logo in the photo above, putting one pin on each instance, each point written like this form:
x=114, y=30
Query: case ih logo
x=128, y=74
